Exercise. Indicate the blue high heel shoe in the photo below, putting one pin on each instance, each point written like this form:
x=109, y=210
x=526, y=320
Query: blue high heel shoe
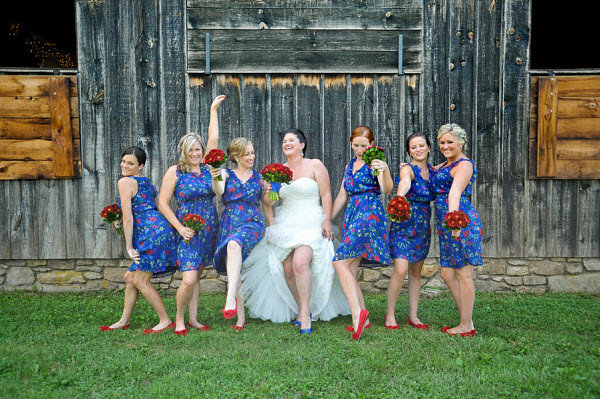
x=297, y=323
x=305, y=330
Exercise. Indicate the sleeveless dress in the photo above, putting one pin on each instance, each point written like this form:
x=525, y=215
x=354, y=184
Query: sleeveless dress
x=241, y=220
x=410, y=240
x=194, y=194
x=298, y=221
x=456, y=253
x=364, y=229
x=153, y=236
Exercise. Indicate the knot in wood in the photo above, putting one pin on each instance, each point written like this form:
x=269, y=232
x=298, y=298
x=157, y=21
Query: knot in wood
x=388, y=14
x=511, y=31
x=260, y=11
x=471, y=35
x=519, y=61
x=452, y=107
x=592, y=105
x=451, y=66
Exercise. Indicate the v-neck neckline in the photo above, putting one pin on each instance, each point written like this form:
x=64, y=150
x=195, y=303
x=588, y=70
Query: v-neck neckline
x=240, y=180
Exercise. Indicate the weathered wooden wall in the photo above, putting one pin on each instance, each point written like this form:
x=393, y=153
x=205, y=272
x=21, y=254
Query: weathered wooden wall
x=134, y=89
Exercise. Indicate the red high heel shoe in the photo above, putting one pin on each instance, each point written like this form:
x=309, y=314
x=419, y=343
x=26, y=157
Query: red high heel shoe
x=153, y=331
x=396, y=327
x=418, y=326
x=362, y=318
x=239, y=328
x=107, y=328
x=228, y=314
x=205, y=327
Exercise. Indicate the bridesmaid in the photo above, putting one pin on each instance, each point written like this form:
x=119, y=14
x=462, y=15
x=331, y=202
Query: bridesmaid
x=191, y=183
x=148, y=239
x=242, y=225
x=364, y=229
x=460, y=250
x=410, y=240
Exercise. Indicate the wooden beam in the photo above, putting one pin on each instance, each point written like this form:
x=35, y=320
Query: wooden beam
x=546, y=131
x=60, y=120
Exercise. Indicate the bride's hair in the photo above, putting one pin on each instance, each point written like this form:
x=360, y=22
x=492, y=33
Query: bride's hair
x=300, y=135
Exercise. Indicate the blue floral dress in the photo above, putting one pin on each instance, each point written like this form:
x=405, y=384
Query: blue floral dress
x=194, y=194
x=467, y=250
x=153, y=236
x=241, y=220
x=410, y=240
x=364, y=229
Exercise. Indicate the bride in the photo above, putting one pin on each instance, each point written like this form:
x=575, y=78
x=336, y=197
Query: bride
x=289, y=273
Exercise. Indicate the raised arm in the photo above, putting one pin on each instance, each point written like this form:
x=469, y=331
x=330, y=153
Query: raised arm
x=127, y=189
x=213, y=125
x=218, y=186
x=406, y=177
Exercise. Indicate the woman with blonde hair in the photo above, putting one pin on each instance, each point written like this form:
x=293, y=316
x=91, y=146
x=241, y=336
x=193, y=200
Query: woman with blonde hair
x=191, y=183
x=460, y=250
x=241, y=226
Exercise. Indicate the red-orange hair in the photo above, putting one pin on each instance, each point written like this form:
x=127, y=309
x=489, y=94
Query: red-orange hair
x=362, y=131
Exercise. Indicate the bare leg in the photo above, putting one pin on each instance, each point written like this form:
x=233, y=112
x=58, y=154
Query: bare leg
x=290, y=278
x=131, y=296
x=184, y=296
x=301, y=264
x=141, y=280
x=414, y=290
x=467, y=299
x=241, y=312
x=394, y=288
x=344, y=269
x=361, y=298
x=193, y=306
x=449, y=276
x=234, y=265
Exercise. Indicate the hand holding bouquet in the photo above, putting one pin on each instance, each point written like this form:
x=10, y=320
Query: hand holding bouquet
x=399, y=209
x=455, y=221
x=215, y=158
x=371, y=154
x=276, y=174
x=194, y=222
x=112, y=215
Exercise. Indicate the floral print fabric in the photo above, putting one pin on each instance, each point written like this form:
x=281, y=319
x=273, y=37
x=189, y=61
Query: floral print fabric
x=193, y=192
x=467, y=250
x=153, y=236
x=364, y=229
x=410, y=240
x=241, y=220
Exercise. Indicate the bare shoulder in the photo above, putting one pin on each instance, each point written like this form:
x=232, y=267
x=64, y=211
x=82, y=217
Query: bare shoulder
x=127, y=182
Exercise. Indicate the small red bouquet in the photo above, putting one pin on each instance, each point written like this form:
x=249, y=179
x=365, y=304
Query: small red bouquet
x=372, y=153
x=399, y=209
x=455, y=221
x=112, y=214
x=215, y=158
x=194, y=222
x=276, y=174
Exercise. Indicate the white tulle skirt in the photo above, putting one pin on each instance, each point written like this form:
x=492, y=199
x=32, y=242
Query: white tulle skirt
x=267, y=296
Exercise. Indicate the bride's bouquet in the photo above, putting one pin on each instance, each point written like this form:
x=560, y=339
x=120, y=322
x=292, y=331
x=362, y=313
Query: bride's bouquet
x=276, y=174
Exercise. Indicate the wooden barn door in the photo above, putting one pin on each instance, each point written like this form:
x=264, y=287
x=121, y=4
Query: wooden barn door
x=39, y=127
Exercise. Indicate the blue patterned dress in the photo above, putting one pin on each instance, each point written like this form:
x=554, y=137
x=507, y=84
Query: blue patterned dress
x=194, y=194
x=241, y=220
x=364, y=229
x=153, y=236
x=467, y=250
x=410, y=240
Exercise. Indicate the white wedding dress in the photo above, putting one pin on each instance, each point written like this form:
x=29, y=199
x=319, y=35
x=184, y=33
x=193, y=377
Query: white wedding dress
x=298, y=221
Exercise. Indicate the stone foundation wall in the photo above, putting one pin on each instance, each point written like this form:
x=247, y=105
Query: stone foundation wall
x=496, y=274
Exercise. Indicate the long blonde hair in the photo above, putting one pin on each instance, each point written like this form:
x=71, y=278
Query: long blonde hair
x=184, y=146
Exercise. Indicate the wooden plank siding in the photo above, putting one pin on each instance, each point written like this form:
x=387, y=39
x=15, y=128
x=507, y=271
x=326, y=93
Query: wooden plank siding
x=300, y=37
x=135, y=87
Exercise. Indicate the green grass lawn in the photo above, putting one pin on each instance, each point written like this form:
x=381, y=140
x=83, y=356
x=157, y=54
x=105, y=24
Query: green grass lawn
x=528, y=346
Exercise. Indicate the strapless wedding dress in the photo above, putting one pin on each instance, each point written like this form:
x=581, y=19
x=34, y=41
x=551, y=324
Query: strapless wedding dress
x=298, y=221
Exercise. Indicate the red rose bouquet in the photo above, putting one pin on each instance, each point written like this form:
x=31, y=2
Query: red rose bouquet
x=276, y=174
x=399, y=209
x=112, y=215
x=194, y=222
x=455, y=221
x=372, y=153
x=215, y=158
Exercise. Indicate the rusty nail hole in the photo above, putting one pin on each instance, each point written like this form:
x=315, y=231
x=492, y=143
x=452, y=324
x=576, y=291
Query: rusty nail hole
x=519, y=61
x=518, y=38
x=511, y=31
x=518, y=176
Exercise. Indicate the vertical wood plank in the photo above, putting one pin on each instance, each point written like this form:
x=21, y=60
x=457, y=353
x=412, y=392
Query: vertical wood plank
x=485, y=148
x=52, y=228
x=282, y=113
x=24, y=219
x=60, y=121
x=546, y=131
x=254, y=111
x=587, y=219
x=309, y=113
x=362, y=104
x=514, y=137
